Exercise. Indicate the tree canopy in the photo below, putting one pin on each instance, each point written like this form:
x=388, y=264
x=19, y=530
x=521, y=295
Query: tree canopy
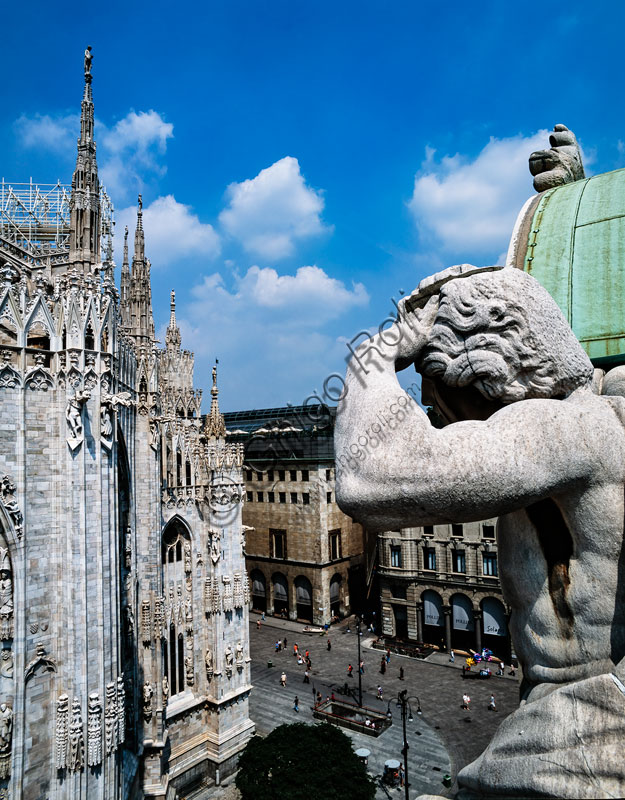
x=318, y=759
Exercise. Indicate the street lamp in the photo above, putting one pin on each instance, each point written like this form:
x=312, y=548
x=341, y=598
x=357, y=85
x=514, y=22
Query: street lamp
x=403, y=702
x=359, y=670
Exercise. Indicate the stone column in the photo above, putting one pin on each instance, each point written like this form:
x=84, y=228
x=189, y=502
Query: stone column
x=447, y=613
x=419, y=607
x=292, y=595
x=477, y=616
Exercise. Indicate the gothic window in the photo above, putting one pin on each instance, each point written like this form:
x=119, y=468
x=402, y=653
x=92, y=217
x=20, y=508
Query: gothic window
x=177, y=590
x=178, y=469
x=188, y=473
x=89, y=339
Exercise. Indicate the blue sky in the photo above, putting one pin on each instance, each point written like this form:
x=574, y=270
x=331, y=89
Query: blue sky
x=301, y=163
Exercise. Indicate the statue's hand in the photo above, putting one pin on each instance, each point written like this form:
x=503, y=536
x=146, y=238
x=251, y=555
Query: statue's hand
x=412, y=330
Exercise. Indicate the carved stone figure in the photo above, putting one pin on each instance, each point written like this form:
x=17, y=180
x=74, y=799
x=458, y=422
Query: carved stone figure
x=530, y=439
x=229, y=659
x=239, y=655
x=215, y=548
x=6, y=664
x=9, y=501
x=6, y=596
x=188, y=663
x=6, y=737
x=208, y=660
x=208, y=595
x=106, y=422
x=165, y=690
x=62, y=723
x=188, y=615
x=76, y=750
x=187, y=558
x=73, y=414
x=121, y=710
x=154, y=434
x=94, y=731
x=561, y=164
x=88, y=62
x=148, y=693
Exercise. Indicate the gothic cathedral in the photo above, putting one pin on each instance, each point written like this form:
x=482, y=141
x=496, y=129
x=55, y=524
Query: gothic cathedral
x=124, y=648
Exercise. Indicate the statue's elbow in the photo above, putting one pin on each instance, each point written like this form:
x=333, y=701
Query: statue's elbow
x=349, y=495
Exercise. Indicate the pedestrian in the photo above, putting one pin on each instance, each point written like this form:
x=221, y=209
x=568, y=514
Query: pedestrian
x=464, y=669
x=401, y=673
x=350, y=671
x=295, y=649
x=466, y=702
x=402, y=775
x=380, y=693
x=296, y=704
x=501, y=669
x=258, y=624
x=492, y=706
x=283, y=679
x=512, y=670
x=452, y=656
x=262, y=616
x=329, y=645
x=361, y=667
x=332, y=697
x=307, y=654
x=382, y=665
x=319, y=698
x=306, y=677
x=284, y=643
x=388, y=656
x=277, y=646
x=309, y=663
x=300, y=660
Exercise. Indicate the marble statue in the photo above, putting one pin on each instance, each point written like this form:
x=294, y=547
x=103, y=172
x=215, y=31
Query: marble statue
x=6, y=738
x=535, y=436
x=561, y=164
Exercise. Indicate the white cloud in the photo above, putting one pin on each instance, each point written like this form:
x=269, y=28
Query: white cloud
x=172, y=232
x=268, y=214
x=132, y=152
x=57, y=134
x=462, y=205
x=272, y=333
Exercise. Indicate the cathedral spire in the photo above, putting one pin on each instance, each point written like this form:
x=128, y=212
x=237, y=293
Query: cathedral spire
x=215, y=426
x=84, y=246
x=139, y=234
x=173, y=340
x=125, y=282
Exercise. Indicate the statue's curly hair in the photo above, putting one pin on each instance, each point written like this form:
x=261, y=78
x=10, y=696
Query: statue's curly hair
x=503, y=333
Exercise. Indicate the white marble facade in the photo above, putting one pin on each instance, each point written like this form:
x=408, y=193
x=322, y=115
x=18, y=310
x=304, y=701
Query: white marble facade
x=124, y=653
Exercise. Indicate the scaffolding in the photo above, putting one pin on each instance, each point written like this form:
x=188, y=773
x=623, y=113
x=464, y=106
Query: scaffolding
x=35, y=218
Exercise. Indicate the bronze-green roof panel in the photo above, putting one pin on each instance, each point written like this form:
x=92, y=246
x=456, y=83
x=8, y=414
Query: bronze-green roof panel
x=576, y=249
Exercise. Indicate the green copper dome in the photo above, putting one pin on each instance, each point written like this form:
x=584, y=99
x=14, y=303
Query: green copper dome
x=572, y=240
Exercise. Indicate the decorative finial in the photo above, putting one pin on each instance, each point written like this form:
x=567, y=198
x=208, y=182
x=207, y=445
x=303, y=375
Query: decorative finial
x=140, y=203
x=172, y=302
x=88, y=61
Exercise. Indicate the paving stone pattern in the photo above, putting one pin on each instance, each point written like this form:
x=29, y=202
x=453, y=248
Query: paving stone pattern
x=449, y=737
